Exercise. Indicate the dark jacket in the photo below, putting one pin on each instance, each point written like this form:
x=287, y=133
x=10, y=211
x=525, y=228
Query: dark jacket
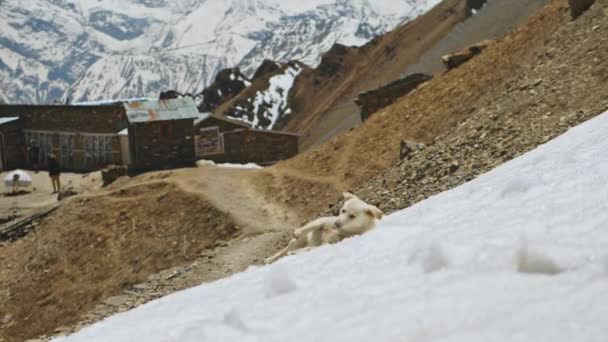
x=53, y=167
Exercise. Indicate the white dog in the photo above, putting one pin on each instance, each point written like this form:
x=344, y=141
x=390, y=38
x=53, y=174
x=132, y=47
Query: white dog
x=356, y=217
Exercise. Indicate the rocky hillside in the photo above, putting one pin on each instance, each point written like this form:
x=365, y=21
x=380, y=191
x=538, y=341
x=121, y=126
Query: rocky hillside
x=90, y=50
x=344, y=72
x=522, y=91
x=341, y=72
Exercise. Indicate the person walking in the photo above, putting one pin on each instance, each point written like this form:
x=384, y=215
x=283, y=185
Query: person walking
x=54, y=172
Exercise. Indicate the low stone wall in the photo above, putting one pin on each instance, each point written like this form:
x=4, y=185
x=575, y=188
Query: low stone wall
x=456, y=59
x=374, y=100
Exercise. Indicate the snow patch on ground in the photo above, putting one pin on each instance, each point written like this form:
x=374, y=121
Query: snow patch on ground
x=204, y=162
x=505, y=257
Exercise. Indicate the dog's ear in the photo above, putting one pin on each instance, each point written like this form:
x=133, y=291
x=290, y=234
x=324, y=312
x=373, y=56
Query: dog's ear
x=348, y=196
x=373, y=211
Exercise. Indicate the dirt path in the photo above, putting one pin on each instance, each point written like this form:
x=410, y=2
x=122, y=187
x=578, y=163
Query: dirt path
x=234, y=191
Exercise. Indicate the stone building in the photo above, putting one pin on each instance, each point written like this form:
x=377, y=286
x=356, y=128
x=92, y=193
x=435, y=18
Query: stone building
x=230, y=141
x=83, y=137
x=160, y=134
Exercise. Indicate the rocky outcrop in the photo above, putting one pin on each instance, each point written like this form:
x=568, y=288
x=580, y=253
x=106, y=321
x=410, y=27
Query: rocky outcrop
x=268, y=67
x=455, y=59
x=578, y=7
x=409, y=148
x=374, y=100
x=66, y=192
x=174, y=94
x=333, y=61
x=475, y=4
x=111, y=173
x=228, y=84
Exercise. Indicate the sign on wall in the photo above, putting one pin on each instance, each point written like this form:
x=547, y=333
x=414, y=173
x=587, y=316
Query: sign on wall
x=209, y=142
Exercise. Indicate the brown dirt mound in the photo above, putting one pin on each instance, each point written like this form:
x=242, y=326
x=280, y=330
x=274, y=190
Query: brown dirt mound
x=95, y=246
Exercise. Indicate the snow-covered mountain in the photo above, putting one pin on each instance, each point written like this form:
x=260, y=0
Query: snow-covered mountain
x=518, y=254
x=101, y=49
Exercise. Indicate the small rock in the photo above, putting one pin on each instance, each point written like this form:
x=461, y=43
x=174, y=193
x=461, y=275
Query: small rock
x=62, y=329
x=65, y=193
x=454, y=166
x=116, y=300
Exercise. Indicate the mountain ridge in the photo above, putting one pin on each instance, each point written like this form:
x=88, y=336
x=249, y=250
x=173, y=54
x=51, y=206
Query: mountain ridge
x=89, y=50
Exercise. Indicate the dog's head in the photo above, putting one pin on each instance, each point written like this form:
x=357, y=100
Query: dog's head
x=356, y=216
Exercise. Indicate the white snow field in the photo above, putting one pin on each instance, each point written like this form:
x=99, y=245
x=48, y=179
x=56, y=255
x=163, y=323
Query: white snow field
x=519, y=254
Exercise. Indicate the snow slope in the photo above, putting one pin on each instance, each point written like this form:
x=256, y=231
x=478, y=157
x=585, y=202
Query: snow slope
x=92, y=50
x=519, y=254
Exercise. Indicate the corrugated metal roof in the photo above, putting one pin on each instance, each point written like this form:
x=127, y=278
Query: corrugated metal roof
x=110, y=102
x=161, y=110
x=9, y=119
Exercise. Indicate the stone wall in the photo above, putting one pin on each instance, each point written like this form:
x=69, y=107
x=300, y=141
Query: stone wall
x=260, y=147
x=89, y=119
x=243, y=146
x=374, y=100
x=458, y=58
x=161, y=145
x=14, y=148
